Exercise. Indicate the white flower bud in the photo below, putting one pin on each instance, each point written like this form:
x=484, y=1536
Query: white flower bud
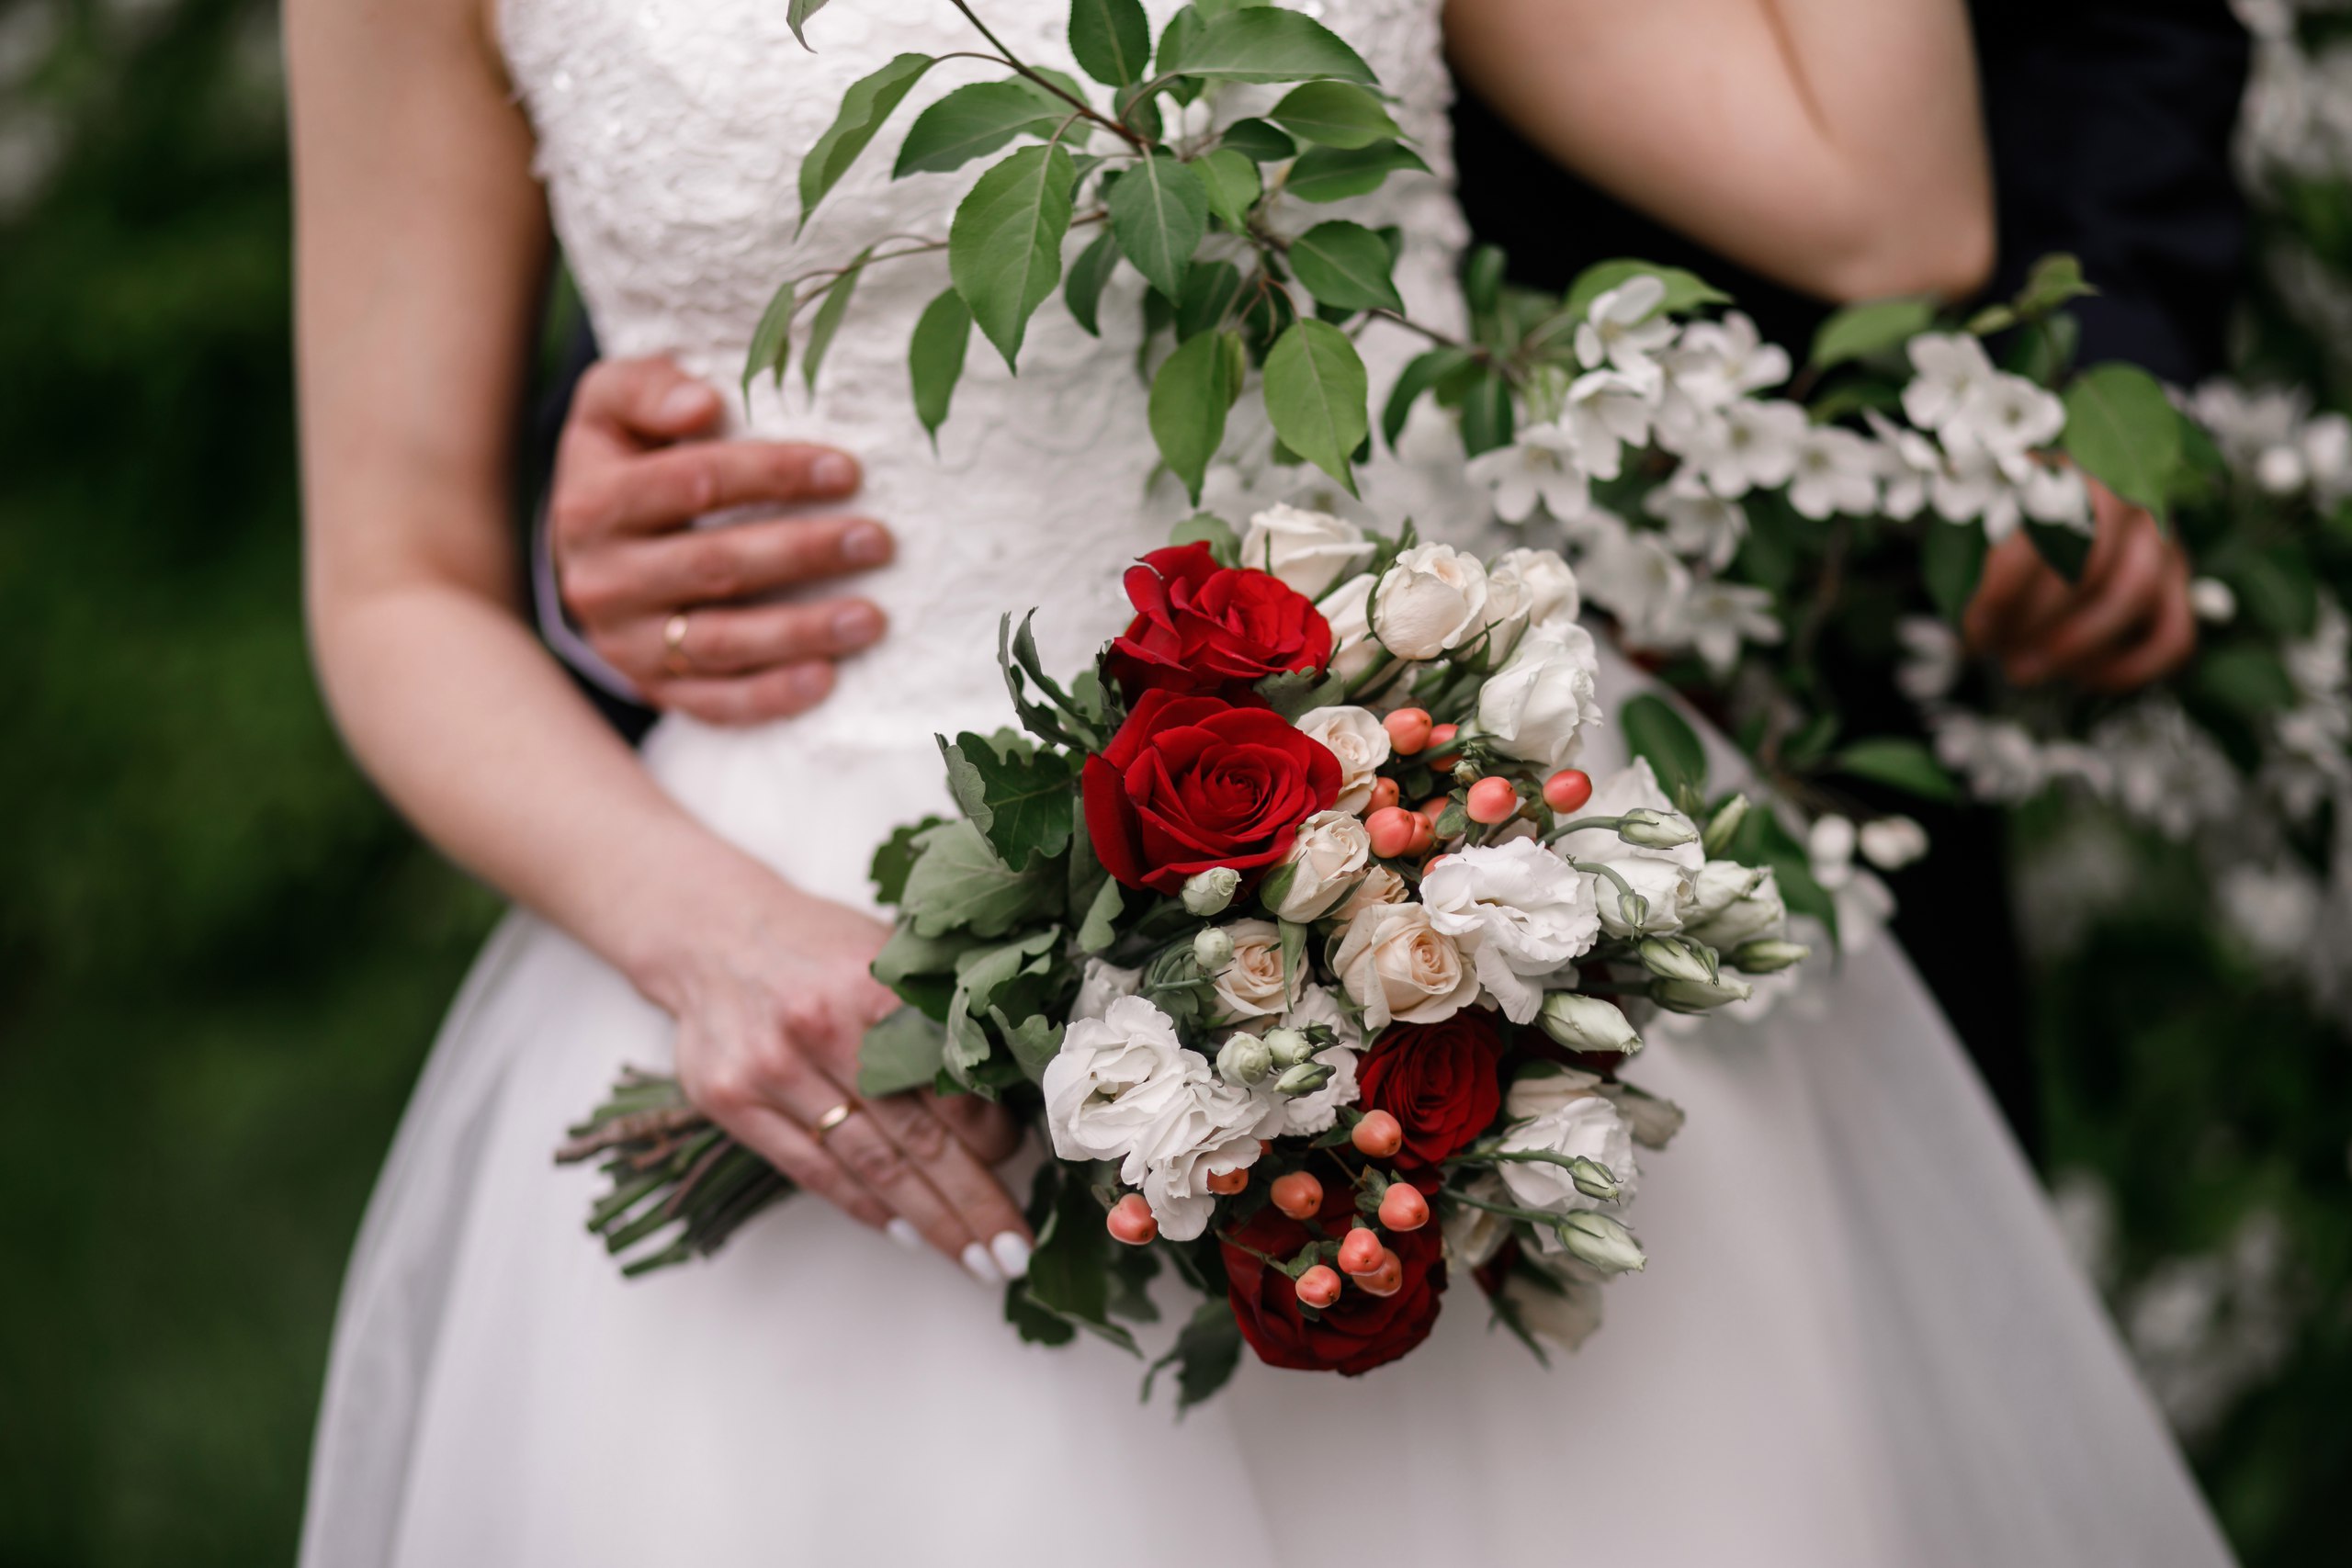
x=1304, y=1078
x=1601, y=1242
x=2213, y=601
x=1594, y=1180
x=1244, y=1060
x=1657, y=830
x=1724, y=825
x=1213, y=949
x=1768, y=955
x=1588, y=1023
x=1891, y=843
x=1210, y=892
x=1289, y=1047
x=1698, y=996
x=1655, y=1122
x=1675, y=959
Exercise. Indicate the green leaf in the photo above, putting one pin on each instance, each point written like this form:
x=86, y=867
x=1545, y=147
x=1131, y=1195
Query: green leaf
x=1859, y=330
x=2276, y=589
x=1481, y=278
x=961, y=881
x=1336, y=113
x=2122, y=430
x=935, y=357
x=771, y=339
x=831, y=305
x=972, y=122
x=1159, y=210
x=900, y=1052
x=1420, y=373
x=1231, y=183
x=1653, y=731
x=796, y=15
x=1208, y=528
x=2054, y=280
x=1952, y=558
x=1265, y=44
x=1189, y=397
x=2247, y=679
x=895, y=858
x=1899, y=764
x=1346, y=264
x=1258, y=141
x=1486, y=413
x=1070, y=1273
x=907, y=954
x=1210, y=293
x=1174, y=40
x=1684, y=290
x=864, y=106
x=981, y=976
x=1004, y=247
x=1111, y=39
x=1294, y=691
x=1316, y=394
x=1082, y=290
x=1335, y=173
x=1021, y=799
x=1096, y=932
x=1033, y=1041
x=1204, y=1354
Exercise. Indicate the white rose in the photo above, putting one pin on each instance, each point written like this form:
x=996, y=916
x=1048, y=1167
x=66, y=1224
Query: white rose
x=1353, y=649
x=1114, y=1080
x=1521, y=911
x=1212, y=1129
x=1537, y=706
x=1251, y=984
x=1432, y=598
x=1587, y=1127
x=1325, y=861
x=1309, y=551
x=1528, y=587
x=1399, y=967
x=1379, y=886
x=1566, y=1315
x=1360, y=743
x=1731, y=903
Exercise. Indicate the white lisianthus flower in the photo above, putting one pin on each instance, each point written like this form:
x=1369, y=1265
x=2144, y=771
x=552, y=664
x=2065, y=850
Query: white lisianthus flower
x=1622, y=329
x=1520, y=911
x=1731, y=903
x=1309, y=551
x=1661, y=878
x=1543, y=1087
x=1113, y=1080
x=1213, y=1129
x=1360, y=743
x=1325, y=861
x=1837, y=471
x=1432, y=598
x=1398, y=967
x=1537, y=706
x=1661, y=887
x=1699, y=525
x=1527, y=588
x=1252, y=986
x=1749, y=444
x=1632, y=787
x=1100, y=984
x=1353, y=651
x=1947, y=366
x=1541, y=464
x=1607, y=411
x=1564, y=1314
x=1653, y=1120
x=1587, y=1127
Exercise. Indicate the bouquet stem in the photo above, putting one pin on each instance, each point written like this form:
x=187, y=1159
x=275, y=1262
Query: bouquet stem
x=672, y=1171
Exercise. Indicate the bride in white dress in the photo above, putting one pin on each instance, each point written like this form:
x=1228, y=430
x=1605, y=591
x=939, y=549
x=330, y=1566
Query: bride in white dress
x=1858, y=1341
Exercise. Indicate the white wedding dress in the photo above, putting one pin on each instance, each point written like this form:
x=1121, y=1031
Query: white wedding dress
x=1857, y=1342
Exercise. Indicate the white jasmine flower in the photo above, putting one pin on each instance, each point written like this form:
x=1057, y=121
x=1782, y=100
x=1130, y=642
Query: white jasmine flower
x=1619, y=330
x=1360, y=743
x=2054, y=493
x=1326, y=859
x=2212, y=599
x=1717, y=362
x=1749, y=444
x=1932, y=656
x=2008, y=415
x=1585, y=1127
x=1253, y=984
x=1607, y=411
x=1634, y=576
x=1973, y=485
x=1537, y=706
x=1309, y=551
x=1947, y=367
x=1541, y=464
x=1891, y=843
x=1522, y=912
x=1397, y=966
x=1836, y=472
x=1863, y=902
x=1432, y=598
x=1909, y=463
x=1718, y=616
x=1699, y=525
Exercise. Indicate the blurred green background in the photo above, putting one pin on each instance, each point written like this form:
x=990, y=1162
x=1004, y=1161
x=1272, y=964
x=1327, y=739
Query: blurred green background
x=222, y=960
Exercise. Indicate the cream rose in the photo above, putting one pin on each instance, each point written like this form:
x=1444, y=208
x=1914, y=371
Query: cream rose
x=1537, y=706
x=1379, y=886
x=1309, y=551
x=1251, y=984
x=1360, y=743
x=1353, y=652
x=1528, y=587
x=1432, y=598
x=1399, y=967
x=1325, y=861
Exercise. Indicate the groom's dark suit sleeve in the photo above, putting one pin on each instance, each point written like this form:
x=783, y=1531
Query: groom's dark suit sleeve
x=2110, y=122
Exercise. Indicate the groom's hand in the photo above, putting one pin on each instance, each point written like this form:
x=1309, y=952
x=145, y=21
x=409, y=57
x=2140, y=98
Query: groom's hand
x=2126, y=622
x=631, y=479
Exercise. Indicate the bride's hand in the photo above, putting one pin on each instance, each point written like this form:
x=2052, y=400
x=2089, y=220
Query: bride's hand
x=630, y=480
x=773, y=998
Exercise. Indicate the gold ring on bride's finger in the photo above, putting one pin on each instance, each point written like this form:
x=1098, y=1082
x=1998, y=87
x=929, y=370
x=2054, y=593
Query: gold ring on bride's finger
x=673, y=645
x=834, y=1118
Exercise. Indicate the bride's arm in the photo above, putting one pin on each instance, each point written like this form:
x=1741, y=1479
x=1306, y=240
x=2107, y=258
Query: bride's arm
x=1834, y=145
x=420, y=244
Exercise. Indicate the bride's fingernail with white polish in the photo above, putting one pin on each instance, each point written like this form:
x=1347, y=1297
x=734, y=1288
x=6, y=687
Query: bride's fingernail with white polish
x=905, y=1234
x=979, y=1266
x=832, y=472
x=855, y=625
x=1012, y=1254
x=865, y=545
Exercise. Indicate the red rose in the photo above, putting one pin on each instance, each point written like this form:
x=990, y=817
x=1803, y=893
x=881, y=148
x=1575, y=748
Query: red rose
x=1356, y=1333
x=1192, y=782
x=1437, y=1080
x=1203, y=627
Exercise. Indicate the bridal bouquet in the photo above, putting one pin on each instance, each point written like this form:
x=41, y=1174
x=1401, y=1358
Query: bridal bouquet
x=1293, y=930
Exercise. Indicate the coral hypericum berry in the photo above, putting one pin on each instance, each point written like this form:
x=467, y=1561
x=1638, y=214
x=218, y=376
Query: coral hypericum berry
x=1402, y=1208
x=1360, y=1251
x=1298, y=1194
x=1493, y=800
x=1318, y=1287
x=1568, y=790
x=1225, y=1183
x=1378, y=1136
x=1384, y=795
x=1409, y=731
x=1392, y=829
x=1384, y=1281
x=1131, y=1221
x=1439, y=737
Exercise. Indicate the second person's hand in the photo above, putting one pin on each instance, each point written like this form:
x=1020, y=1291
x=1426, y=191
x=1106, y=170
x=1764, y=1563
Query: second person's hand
x=680, y=610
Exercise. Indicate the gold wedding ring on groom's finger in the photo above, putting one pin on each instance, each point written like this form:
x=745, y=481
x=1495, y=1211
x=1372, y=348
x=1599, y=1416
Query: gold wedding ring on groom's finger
x=833, y=1118
x=674, y=645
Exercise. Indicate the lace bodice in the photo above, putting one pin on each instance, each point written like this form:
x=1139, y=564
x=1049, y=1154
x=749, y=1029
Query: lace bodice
x=669, y=138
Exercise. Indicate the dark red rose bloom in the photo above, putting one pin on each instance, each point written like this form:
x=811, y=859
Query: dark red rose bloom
x=1192, y=782
x=1437, y=1080
x=1355, y=1333
x=1202, y=627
